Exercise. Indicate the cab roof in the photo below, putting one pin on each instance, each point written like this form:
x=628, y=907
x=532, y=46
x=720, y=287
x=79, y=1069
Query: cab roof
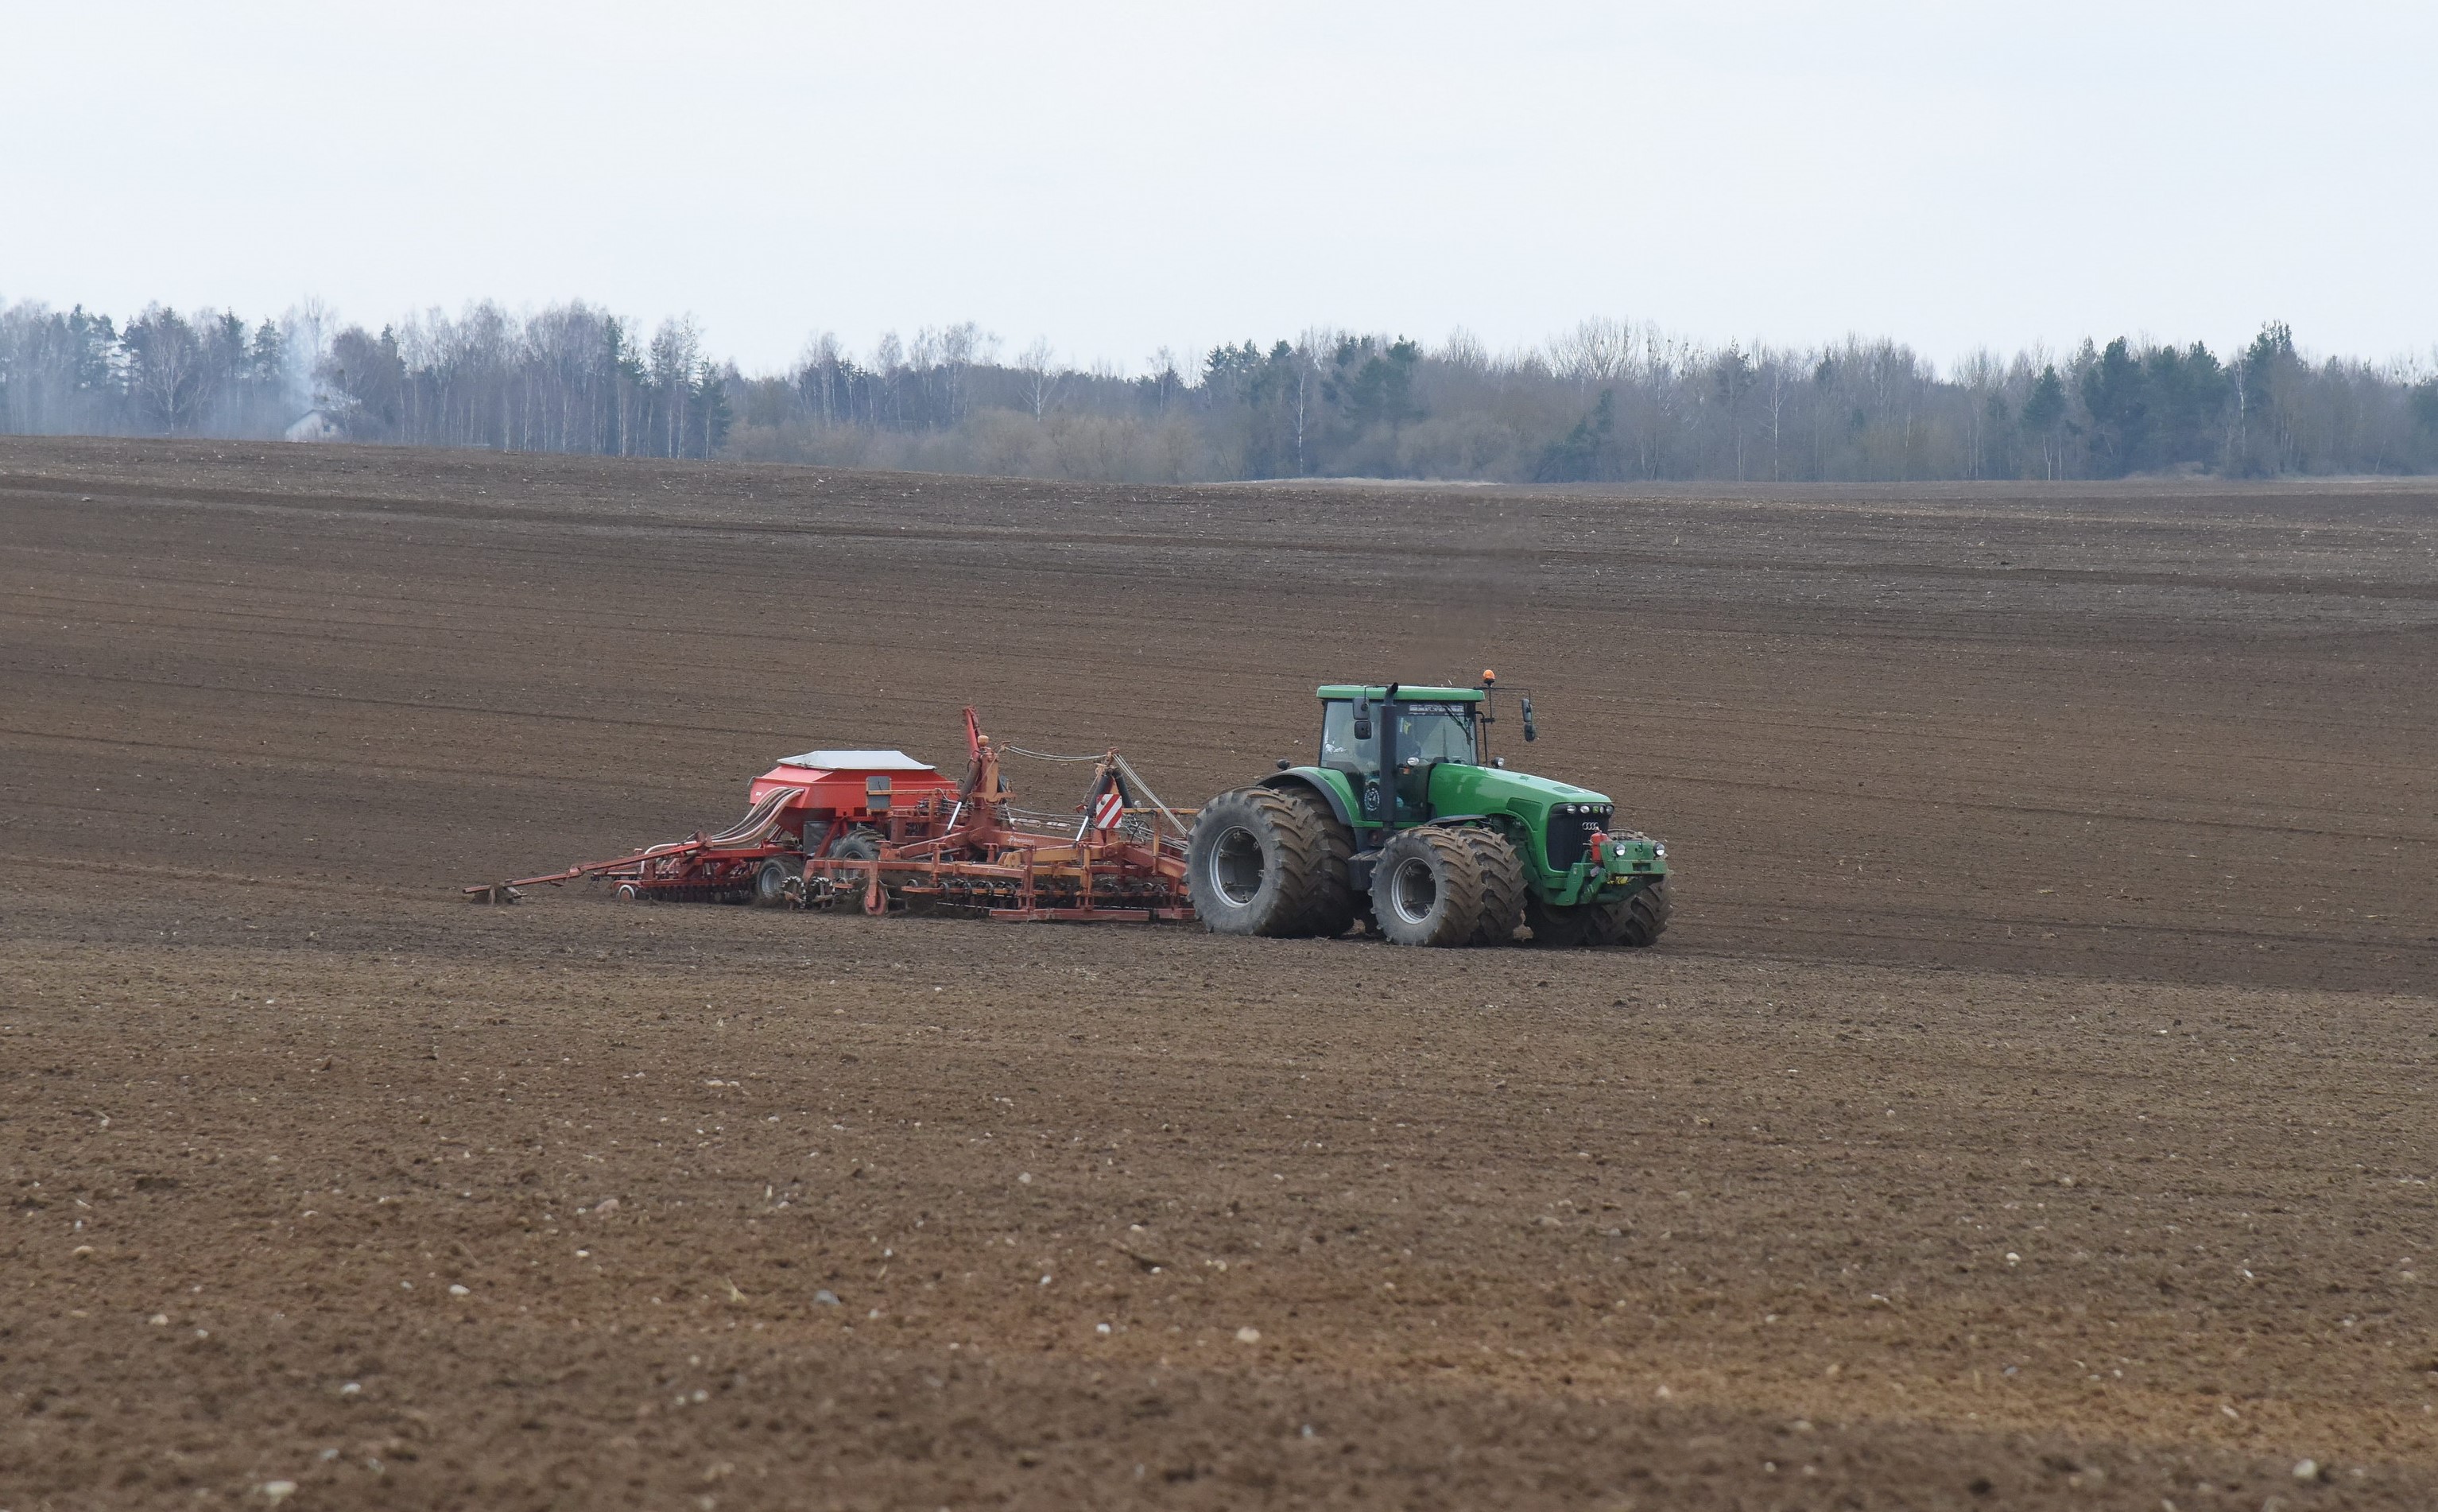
x=1414, y=691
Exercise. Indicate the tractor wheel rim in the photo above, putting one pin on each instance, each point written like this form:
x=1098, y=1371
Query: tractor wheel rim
x=1236, y=867
x=1414, y=892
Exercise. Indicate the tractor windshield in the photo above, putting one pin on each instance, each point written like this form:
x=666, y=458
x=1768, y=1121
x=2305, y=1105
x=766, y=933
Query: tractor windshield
x=1436, y=732
x=1433, y=732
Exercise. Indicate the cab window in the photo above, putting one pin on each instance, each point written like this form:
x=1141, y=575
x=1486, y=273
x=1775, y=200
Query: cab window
x=1338, y=747
x=1433, y=732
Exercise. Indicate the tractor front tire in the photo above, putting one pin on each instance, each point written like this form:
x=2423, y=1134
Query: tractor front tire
x=1426, y=888
x=1503, y=887
x=1636, y=922
x=1254, y=864
x=1646, y=917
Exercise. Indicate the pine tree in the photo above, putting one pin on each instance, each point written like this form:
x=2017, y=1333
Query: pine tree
x=2116, y=397
x=1583, y=454
x=2265, y=378
x=2043, y=418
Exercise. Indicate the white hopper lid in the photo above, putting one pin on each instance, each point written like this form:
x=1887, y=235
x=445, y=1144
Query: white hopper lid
x=859, y=761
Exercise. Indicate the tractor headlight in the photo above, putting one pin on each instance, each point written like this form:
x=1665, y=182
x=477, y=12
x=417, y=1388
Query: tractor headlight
x=1659, y=848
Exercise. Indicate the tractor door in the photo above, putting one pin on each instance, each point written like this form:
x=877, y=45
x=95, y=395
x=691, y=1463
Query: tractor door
x=1416, y=737
x=1358, y=759
x=1427, y=735
x=1413, y=788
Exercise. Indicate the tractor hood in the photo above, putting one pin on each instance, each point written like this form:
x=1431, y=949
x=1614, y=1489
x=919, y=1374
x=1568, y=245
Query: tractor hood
x=1573, y=830
x=1541, y=803
x=1507, y=787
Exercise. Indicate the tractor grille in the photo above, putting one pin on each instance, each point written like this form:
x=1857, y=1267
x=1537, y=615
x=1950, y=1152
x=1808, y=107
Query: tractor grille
x=1571, y=828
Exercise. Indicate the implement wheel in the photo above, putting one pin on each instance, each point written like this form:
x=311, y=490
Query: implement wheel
x=857, y=845
x=1254, y=864
x=1426, y=888
x=1636, y=922
x=771, y=881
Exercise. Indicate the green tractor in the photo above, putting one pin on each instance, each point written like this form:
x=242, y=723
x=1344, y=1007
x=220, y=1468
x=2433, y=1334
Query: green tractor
x=1408, y=819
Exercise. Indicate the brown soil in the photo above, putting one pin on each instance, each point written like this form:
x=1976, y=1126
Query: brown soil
x=2029, y=1107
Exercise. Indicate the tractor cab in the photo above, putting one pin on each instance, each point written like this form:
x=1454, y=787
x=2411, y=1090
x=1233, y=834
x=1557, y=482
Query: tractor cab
x=1407, y=730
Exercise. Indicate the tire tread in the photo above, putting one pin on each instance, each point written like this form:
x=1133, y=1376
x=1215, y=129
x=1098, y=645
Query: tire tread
x=1636, y=922
x=1329, y=905
x=1459, y=912
x=1502, y=884
x=1301, y=851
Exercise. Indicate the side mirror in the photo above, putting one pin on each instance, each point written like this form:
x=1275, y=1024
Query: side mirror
x=1530, y=732
x=1363, y=718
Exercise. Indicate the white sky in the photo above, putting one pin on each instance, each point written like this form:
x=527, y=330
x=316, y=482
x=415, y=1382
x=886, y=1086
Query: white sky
x=1127, y=176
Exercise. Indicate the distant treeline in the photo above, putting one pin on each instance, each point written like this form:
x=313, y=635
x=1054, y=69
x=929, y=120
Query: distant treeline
x=1605, y=402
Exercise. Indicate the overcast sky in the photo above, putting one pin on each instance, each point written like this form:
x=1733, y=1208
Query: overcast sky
x=1121, y=178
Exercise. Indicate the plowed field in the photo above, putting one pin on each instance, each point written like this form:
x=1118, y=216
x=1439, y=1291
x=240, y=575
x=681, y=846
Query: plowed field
x=2029, y=1107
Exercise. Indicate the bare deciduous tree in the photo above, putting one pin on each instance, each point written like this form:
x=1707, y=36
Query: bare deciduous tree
x=1038, y=364
x=167, y=370
x=1593, y=354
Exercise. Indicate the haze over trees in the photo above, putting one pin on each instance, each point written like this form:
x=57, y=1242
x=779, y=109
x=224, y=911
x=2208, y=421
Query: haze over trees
x=1606, y=401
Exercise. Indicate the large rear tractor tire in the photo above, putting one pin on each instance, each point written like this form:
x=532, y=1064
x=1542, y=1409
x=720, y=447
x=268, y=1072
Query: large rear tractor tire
x=1426, y=888
x=1636, y=922
x=1503, y=887
x=1334, y=905
x=1254, y=864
